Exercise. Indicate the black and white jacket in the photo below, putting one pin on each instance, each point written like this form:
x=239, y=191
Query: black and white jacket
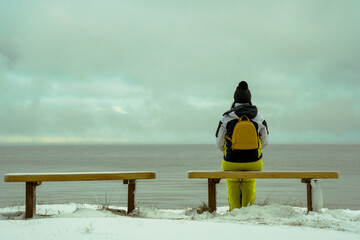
x=228, y=119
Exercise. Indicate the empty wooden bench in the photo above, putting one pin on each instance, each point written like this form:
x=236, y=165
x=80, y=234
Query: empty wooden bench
x=35, y=179
x=215, y=176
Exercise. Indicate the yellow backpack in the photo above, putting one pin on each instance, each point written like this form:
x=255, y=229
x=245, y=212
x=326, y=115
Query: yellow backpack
x=244, y=136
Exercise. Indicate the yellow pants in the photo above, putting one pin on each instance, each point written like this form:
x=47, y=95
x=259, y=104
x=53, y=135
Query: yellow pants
x=241, y=192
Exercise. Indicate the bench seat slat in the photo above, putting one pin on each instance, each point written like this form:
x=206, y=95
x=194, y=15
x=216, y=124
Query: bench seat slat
x=81, y=176
x=265, y=174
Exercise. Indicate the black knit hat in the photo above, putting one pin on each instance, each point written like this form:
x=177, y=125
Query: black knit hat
x=242, y=93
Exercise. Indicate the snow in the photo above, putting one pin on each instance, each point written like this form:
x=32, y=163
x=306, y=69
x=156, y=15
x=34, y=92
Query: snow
x=85, y=221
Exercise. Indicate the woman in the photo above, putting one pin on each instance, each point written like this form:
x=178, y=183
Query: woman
x=241, y=193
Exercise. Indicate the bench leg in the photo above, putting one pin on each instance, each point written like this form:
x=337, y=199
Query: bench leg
x=212, y=193
x=131, y=194
x=309, y=193
x=30, y=207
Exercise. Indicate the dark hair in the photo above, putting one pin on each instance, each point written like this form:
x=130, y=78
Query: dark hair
x=242, y=94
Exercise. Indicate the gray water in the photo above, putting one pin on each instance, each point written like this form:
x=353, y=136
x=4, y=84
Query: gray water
x=172, y=189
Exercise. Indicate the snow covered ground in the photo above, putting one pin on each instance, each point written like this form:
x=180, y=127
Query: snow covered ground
x=84, y=221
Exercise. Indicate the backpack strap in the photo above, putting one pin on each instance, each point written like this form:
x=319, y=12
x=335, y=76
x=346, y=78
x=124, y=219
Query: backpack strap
x=244, y=116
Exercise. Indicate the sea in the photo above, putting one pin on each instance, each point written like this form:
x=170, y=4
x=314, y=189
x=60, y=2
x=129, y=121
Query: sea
x=172, y=189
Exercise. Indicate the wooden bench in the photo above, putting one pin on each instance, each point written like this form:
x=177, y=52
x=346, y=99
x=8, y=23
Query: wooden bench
x=35, y=179
x=215, y=176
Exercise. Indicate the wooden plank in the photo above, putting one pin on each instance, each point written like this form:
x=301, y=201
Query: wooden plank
x=73, y=176
x=308, y=193
x=265, y=174
x=30, y=200
x=212, y=193
x=131, y=195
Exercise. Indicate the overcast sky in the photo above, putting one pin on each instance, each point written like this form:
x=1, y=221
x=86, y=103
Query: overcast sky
x=165, y=71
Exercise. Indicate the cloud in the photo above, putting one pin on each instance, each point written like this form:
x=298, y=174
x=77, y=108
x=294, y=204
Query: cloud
x=166, y=70
x=119, y=110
